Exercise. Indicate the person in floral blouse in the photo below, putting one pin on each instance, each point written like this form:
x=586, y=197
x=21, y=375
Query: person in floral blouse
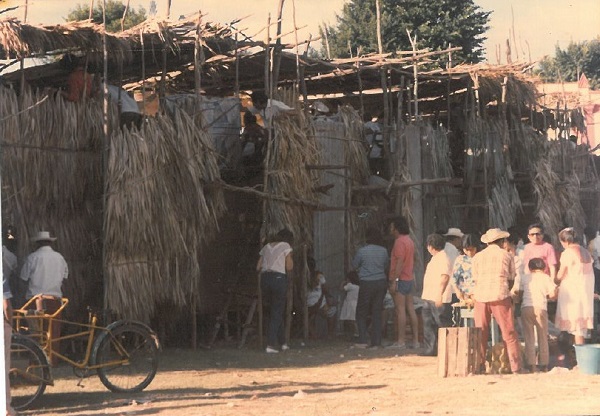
x=461, y=279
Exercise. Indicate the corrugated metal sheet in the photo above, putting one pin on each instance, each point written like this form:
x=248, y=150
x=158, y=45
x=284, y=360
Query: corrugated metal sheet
x=330, y=226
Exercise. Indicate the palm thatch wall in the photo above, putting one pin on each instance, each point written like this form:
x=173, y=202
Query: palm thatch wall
x=161, y=204
x=52, y=180
x=160, y=213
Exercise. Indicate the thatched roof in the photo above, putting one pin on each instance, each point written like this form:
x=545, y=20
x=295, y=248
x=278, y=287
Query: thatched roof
x=228, y=63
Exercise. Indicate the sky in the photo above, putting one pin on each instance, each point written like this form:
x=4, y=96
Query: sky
x=539, y=25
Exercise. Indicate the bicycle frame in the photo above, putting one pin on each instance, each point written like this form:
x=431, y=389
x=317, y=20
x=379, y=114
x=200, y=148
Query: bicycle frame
x=43, y=332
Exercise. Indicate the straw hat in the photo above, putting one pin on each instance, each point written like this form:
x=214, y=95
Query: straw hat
x=454, y=232
x=43, y=236
x=494, y=234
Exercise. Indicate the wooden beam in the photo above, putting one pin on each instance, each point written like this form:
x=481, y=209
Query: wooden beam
x=398, y=185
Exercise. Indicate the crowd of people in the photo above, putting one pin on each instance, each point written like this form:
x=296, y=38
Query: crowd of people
x=495, y=274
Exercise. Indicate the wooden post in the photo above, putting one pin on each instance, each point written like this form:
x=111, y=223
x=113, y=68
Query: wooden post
x=413, y=42
x=303, y=290
x=124, y=16
x=278, y=48
x=143, y=73
x=105, y=153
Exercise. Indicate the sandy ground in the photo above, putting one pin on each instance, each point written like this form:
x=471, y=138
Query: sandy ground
x=322, y=378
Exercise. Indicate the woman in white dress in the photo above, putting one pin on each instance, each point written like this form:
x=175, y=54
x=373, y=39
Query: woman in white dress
x=575, y=306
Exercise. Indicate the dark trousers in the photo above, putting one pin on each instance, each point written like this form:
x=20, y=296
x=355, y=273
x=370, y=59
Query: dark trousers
x=274, y=293
x=370, y=305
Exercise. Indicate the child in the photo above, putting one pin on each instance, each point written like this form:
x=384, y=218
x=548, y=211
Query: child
x=348, y=312
x=537, y=288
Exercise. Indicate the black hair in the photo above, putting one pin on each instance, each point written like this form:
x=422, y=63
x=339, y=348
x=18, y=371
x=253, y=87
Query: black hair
x=470, y=240
x=589, y=232
x=352, y=277
x=373, y=236
x=249, y=118
x=401, y=225
x=436, y=241
x=285, y=235
x=537, y=264
x=536, y=225
x=259, y=97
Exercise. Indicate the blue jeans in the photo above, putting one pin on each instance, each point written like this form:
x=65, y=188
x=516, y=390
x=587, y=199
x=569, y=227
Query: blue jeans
x=274, y=293
x=370, y=305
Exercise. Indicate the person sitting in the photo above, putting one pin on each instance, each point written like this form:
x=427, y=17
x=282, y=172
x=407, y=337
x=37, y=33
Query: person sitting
x=319, y=300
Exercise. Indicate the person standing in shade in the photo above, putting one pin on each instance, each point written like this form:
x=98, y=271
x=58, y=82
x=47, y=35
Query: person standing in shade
x=493, y=270
x=402, y=282
x=45, y=270
x=370, y=262
x=575, y=304
x=436, y=293
x=274, y=265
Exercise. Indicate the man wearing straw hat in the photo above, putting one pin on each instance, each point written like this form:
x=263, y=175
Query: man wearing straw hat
x=44, y=271
x=493, y=270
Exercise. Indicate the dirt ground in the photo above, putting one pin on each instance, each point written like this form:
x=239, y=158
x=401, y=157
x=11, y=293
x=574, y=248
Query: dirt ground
x=321, y=378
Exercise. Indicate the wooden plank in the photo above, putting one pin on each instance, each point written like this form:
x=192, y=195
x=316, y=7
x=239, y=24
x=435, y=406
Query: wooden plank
x=452, y=349
x=442, y=353
x=462, y=352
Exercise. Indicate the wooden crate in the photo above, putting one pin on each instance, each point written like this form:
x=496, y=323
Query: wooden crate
x=458, y=351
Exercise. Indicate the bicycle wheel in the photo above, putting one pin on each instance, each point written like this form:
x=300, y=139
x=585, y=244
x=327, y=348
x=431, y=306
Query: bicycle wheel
x=127, y=358
x=29, y=372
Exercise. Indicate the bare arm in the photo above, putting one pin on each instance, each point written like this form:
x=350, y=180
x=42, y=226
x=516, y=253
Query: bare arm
x=259, y=264
x=289, y=262
x=553, y=272
x=558, y=277
x=443, y=285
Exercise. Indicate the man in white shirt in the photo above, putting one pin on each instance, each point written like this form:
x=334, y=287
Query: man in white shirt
x=130, y=114
x=44, y=271
x=266, y=108
x=436, y=293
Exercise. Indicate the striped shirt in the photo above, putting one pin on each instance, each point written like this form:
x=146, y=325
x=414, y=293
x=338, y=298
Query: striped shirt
x=371, y=262
x=492, y=269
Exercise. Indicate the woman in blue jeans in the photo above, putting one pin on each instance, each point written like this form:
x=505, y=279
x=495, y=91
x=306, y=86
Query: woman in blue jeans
x=274, y=264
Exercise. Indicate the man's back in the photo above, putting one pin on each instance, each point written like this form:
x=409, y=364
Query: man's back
x=45, y=269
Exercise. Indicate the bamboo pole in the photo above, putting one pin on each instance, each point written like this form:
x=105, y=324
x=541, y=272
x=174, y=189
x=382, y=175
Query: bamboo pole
x=22, y=63
x=413, y=43
x=105, y=153
x=124, y=16
x=303, y=290
x=266, y=162
x=278, y=49
x=143, y=73
x=91, y=11
x=327, y=42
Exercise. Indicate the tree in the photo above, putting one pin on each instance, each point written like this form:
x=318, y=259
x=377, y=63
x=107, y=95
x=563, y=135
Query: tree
x=436, y=23
x=114, y=14
x=567, y=65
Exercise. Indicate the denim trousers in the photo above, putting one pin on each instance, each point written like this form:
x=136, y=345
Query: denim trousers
x=274, y=293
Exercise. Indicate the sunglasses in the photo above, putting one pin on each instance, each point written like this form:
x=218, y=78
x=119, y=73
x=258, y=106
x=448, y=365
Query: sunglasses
x=534, y=234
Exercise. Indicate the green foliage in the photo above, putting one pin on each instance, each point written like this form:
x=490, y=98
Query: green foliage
x=436, y=24
x=567, y=65
x=114, y=14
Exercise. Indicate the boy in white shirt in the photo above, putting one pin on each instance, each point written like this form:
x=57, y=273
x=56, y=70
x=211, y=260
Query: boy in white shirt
x=537, y=288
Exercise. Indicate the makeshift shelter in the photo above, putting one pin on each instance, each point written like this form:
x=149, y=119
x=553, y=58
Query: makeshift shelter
x=169, y=228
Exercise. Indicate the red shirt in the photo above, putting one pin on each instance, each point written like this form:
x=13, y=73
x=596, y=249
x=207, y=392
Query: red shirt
x=404, y=252
x=76, y=83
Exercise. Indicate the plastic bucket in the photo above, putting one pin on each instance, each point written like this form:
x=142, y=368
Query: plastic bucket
x=588, y=358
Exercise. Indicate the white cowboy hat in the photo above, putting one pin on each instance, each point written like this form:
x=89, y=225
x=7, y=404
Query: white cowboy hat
x=494, y=234
x=43, y=236
x=454, y=232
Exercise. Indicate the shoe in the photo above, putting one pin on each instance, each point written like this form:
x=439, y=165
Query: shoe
x=285, y=347
x=521, y=371
x=271, y=350
x=415, y=345
x=396, y=346
x=543, y=368
x=360, y=346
